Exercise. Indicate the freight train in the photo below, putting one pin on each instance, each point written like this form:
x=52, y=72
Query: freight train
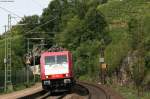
x=57, y=70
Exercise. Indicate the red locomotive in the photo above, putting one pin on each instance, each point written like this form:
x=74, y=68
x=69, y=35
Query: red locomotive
x=57, y=70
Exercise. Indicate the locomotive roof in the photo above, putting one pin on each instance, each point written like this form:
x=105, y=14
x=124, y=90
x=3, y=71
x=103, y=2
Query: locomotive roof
x=55, y=53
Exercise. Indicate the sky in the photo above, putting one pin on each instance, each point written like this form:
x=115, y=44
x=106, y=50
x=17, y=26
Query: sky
x=20, y=8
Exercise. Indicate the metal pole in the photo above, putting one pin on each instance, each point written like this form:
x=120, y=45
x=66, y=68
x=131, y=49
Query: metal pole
x=5, y=60
x=28, y=47
x=10, y=46
x=42, y=44
x=9, y=60
x=34, y=65
x=102, y=76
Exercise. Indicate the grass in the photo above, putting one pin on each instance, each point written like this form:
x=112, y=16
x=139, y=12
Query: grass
x=85, y=78
x=118, y=48
x=23, y=86
x=123, y=10
x=17, y=87
x=130, y=92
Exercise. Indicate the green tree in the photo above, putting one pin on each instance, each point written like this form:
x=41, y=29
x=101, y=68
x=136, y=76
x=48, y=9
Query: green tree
x=133, y=30
x=95, y=22
x=70, y=37
x=138, y=46
x=87, y=58
x=27, y=26
x=83, y=35
x=52, y=15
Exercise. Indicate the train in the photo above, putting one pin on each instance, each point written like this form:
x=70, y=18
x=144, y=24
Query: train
x=57, y=70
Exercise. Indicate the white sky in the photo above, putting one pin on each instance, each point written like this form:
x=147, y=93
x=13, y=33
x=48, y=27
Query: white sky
x=21, y=8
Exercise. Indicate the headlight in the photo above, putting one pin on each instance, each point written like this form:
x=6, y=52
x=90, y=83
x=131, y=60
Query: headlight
x=67, y=75
x=67, y=81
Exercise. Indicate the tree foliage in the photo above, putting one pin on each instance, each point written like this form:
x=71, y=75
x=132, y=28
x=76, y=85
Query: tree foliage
x=82, y=34
x=137, y=37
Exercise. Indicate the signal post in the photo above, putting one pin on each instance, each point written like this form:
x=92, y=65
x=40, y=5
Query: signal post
x=103, y=65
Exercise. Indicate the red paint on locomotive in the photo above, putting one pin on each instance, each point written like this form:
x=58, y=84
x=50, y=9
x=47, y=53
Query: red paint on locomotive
x=56, y=68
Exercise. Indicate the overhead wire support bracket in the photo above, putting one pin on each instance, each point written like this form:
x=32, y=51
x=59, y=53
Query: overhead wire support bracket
x=35, y=38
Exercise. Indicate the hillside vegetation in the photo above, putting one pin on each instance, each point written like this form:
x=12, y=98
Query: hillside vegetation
x=118, y=14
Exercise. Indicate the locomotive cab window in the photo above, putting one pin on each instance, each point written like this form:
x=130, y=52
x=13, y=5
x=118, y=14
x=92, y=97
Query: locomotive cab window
x=50, y=60
x=61, y=59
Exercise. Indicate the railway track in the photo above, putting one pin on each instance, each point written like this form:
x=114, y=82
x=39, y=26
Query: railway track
x=95, y=91
x=77, y=92
x=81, y=90
x=45, y=95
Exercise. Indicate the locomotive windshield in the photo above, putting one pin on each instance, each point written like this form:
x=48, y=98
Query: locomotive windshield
x=57, y=64
x=51, y=60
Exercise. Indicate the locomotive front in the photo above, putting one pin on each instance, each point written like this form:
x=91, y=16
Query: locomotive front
x=56, y=70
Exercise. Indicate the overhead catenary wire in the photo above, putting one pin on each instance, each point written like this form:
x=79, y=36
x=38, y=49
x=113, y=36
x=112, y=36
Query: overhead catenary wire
x=30, y=31
x=16, y=20
x=6, y=1
x=42, y=25
x=10, y=12
x=37, y=32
